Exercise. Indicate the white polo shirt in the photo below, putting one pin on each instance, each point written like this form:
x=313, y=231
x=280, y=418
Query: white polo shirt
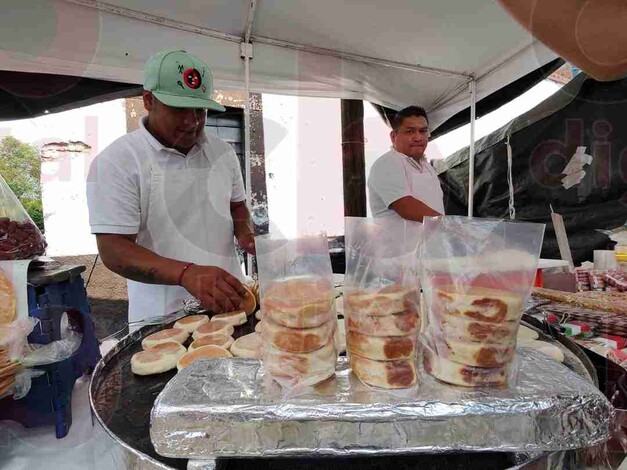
x=393, y=176
x=118, y=184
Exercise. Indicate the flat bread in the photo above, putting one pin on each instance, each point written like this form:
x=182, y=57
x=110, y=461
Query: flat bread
x=248, y=346
x=466, y=376
x=191, y=322
x=474, y=354
x=250, y=301
x=7, y=300
x=398, y=324
x=235, y=318
x=172, y=334
x=259, y=315
x=258, y=327
x=527, y=334
x=6, y=385
x=384, y=374
x=300, y=302
x=212, y=340
x=306, y=368
x=381, y=348
x=476, y=303
x=157, y=359
x=465, y=329
x=297, y=340
x=205, y=352
x=549, y=349
x=385, y=301
x=212, y=328
x=340, y=336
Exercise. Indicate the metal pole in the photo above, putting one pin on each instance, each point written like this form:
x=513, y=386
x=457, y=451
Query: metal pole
x=247, y=53
x=471, y=160
x=249, y=258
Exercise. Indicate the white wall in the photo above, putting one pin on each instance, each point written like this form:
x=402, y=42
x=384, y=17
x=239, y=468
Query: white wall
x=304, y=154
x=303, y=164
x=64, y=177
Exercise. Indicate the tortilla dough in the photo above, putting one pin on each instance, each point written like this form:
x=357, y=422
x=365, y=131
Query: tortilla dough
x=7, y=300
x=164, y=336
x=235, y=318
x=248, y=346
x=205, y=352
x=191, y=322
x=158, y=359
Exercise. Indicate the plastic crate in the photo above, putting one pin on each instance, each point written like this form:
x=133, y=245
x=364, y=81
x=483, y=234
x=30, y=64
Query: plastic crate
x=50, y=295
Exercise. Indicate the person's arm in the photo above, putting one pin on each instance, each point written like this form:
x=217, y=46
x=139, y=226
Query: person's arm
x=213, y=286
x=410, y=208
x=243, y=226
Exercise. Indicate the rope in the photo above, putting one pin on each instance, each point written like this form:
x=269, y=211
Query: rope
x=512, y=208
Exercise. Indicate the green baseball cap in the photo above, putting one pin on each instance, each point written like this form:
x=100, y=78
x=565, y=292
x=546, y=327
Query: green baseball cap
x=180, y=80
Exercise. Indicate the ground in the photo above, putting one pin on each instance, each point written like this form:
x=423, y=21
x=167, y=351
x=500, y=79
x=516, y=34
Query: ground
x=106, y=292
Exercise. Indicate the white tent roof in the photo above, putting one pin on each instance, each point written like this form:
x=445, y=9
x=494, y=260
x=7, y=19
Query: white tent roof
x=391, y=52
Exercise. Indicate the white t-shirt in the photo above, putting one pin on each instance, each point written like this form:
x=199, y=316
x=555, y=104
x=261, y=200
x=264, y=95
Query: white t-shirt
x=391, y=179
x=118, y=185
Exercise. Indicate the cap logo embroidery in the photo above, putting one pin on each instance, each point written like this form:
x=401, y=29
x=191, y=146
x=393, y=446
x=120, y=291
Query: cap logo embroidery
x=191, y=78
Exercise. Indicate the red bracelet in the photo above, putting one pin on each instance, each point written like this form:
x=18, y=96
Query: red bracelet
x=178, y=283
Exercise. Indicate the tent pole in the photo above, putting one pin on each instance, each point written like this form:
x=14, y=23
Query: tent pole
x=249, y=258
x=247, y=54
x=471, y=160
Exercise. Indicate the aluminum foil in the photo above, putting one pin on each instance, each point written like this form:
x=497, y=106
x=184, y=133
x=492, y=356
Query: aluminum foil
x=228, y=408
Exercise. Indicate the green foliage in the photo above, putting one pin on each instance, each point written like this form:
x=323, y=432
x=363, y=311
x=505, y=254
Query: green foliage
x=36, y=212
x=20, y=166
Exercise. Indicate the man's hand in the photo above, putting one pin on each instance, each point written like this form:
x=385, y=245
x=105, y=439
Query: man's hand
x=214, y=287
x=247, y=243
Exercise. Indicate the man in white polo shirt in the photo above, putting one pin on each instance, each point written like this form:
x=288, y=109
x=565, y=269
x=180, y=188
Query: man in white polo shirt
x=402, y=183
x=167, y=201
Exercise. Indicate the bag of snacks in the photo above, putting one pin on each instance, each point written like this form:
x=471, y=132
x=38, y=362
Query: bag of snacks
x=381, y=300
x=19, y=236
x=298, y=303
x=476, y=277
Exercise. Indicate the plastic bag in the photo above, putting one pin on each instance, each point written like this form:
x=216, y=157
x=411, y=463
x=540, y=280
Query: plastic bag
x=14, y=336
x=298, y=301
x=381, y=300
x=476, y=277
x=19, y=236
x=618, y=234
x=42, y=354
x=22, y=383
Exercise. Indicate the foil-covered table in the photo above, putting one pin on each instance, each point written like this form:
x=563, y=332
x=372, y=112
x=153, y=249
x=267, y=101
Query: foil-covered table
x=229, y=408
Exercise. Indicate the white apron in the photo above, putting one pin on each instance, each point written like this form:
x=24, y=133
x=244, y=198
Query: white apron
x=425, y=186
x=189, y=219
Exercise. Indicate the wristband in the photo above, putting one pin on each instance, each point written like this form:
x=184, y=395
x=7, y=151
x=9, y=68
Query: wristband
x=178, y=283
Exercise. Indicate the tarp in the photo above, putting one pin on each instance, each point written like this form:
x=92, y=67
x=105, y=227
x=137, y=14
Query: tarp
x=375, y=51
x=582, y=113
x=27, y=95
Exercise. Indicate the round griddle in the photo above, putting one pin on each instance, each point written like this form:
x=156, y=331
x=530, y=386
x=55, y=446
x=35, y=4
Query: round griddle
x=122, y=402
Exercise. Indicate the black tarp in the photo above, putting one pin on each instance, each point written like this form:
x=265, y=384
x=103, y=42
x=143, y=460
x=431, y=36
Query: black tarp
x=485, y=105
x=583, y=113
x=498, y=98
x=28, y=95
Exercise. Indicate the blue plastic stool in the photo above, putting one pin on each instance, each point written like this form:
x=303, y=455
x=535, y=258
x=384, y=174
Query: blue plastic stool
x=49, y=402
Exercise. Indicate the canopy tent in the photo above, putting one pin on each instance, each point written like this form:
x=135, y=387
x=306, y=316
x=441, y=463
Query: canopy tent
x=393, y=52
x=389, y=52
x=584, y=112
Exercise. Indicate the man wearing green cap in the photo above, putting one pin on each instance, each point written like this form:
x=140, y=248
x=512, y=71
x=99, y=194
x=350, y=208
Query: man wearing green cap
x=167, y=201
